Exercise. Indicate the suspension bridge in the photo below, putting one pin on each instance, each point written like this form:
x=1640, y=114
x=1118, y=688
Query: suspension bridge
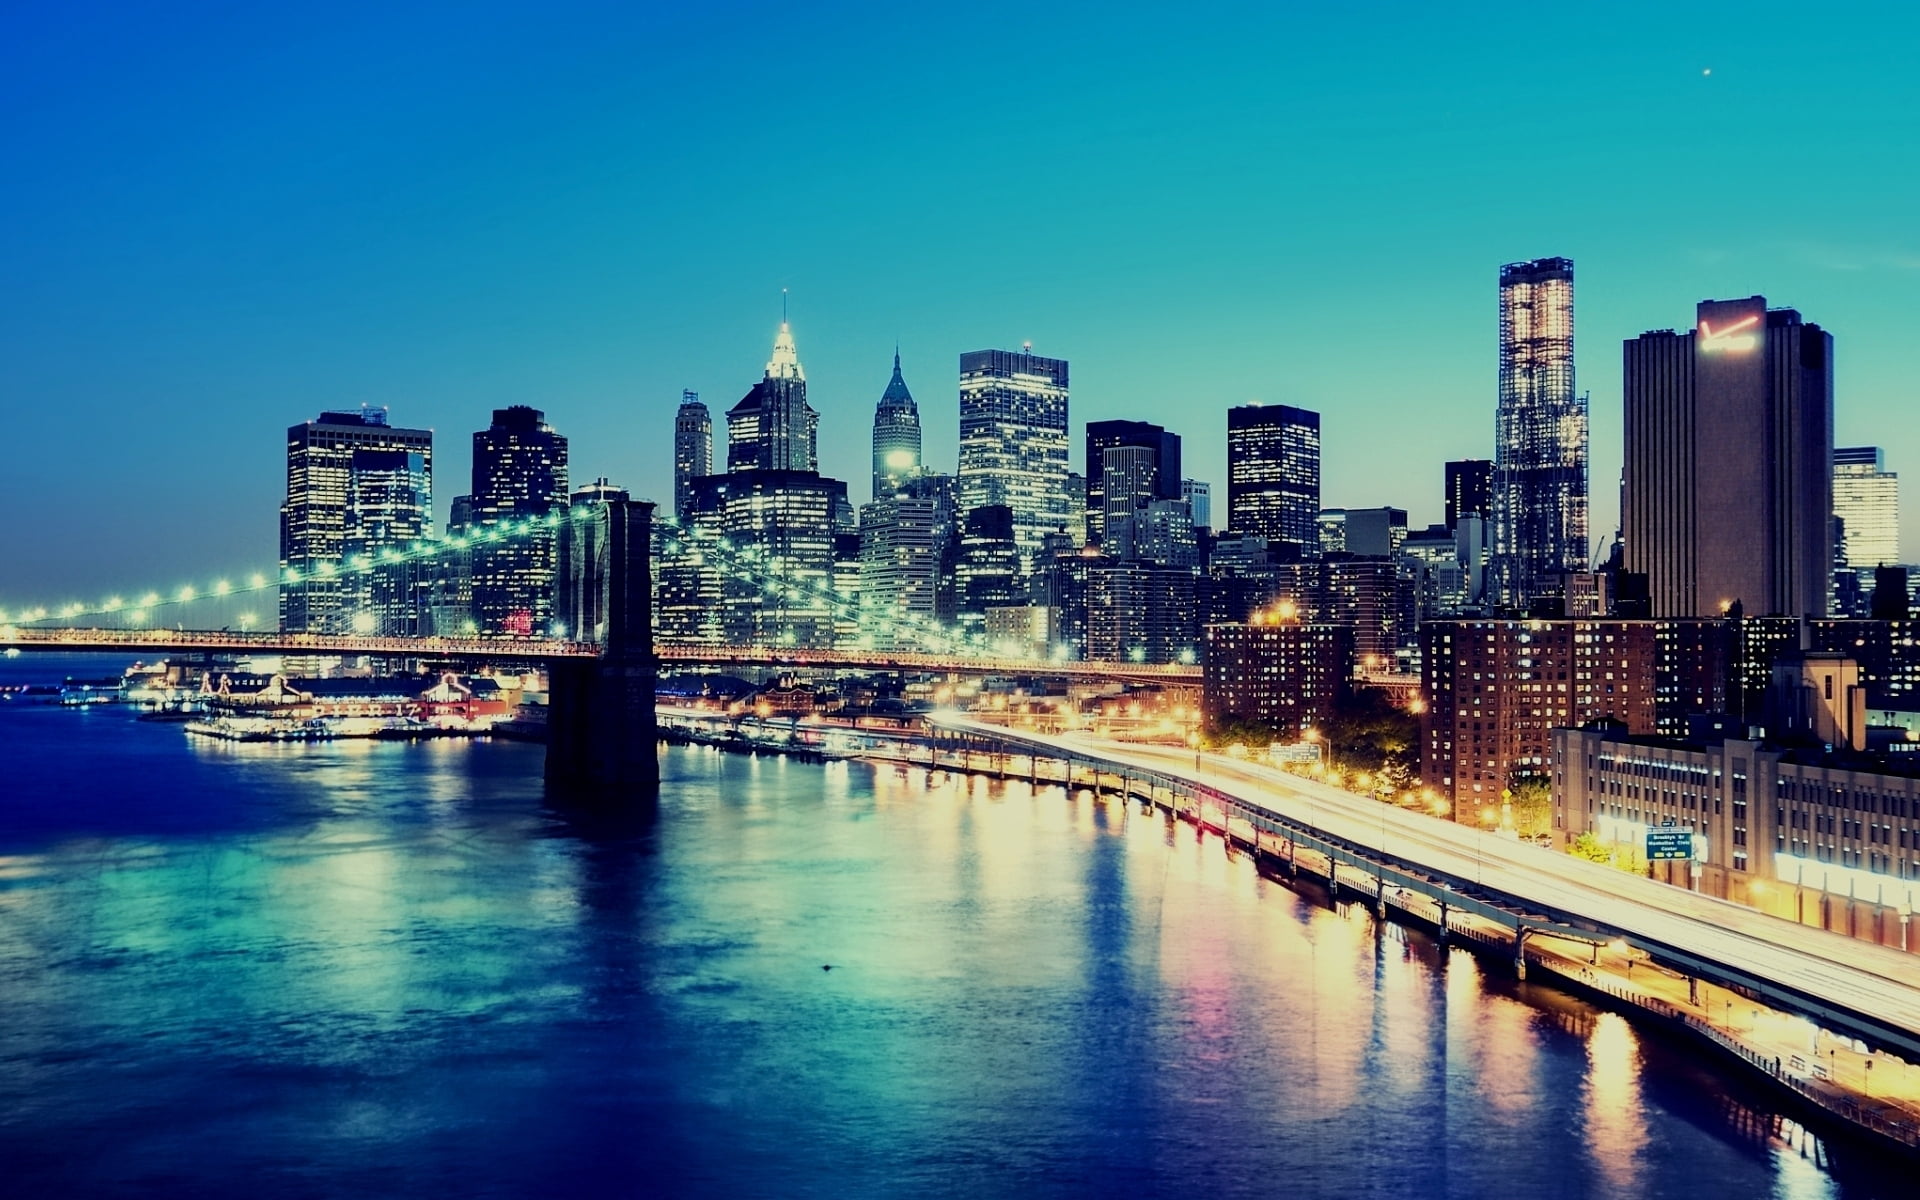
x=601, y=689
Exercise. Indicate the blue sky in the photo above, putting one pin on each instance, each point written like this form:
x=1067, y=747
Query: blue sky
x=218, y=220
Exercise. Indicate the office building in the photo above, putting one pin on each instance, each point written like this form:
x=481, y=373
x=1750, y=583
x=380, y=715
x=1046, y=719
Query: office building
x=1273, y=474
x=782, y=522
x=1013, y=441
x=773, y=428
x=1729, y=463
x=987, y=568
x=356, y=487
x=1825, y=839
x=1199, y=497
x=1154, y=470
x=692, y=450
x=1372, y=532
x=903, y=544
x=519, y=476
x=896, y=436
x=1866, y=503
x=1282, y=676
x=1469, y=490
x=1540, y=435
x=1140, y=612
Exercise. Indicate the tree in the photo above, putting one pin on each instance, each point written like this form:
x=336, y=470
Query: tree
x=1530, y=796
x=1589, y=846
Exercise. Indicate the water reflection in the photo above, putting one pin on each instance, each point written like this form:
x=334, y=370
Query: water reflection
x=403, y=970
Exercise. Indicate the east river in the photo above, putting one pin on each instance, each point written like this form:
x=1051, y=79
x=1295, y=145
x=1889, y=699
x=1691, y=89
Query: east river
x=381, y=969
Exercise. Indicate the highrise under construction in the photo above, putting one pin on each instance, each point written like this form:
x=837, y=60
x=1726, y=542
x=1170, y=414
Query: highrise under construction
x=1540, y=435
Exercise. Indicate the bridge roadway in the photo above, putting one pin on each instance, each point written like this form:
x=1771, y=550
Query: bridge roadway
x=546, y=649
x=1853, y=987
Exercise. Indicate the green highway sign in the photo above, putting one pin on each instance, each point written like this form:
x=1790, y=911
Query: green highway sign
x=1669, y=843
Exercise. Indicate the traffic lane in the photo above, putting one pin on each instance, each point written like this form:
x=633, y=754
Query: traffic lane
x=1446, y=848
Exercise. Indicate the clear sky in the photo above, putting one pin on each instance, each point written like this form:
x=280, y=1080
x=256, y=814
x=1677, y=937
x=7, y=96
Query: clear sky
x=218, y=220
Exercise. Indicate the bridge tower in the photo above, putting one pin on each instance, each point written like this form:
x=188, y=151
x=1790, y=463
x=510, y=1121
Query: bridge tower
x=600, y=715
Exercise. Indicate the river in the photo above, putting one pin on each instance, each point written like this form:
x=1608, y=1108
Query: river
x=371, y=969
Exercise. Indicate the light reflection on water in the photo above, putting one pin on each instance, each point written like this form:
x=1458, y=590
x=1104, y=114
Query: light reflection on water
x=389, y=969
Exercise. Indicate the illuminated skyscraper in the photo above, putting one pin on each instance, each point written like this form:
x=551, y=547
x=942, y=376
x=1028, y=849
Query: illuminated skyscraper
x=1729, y=463
x=1013, y=441
x=1540, y=434
x=519, y=476
x=896, y=436
x=1273, y=474
x=692, y=450
x=1469, y=490
x=1866, y=498
x=1162, y=462
x=355, y=487
x=772, y=428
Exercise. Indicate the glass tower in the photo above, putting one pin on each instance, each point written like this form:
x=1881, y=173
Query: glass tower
x=1866, y=498
x=896, y=436
x=773, y=428
x=1273, y=473
x=519, y=475
x=355, y=486
x=1013, y=441
x=692, y=450
x=1540, y=434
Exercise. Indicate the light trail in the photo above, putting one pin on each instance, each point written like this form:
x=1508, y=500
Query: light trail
x=1878, y=986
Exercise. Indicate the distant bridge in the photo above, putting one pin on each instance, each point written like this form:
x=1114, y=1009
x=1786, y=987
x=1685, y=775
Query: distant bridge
x=481, y=649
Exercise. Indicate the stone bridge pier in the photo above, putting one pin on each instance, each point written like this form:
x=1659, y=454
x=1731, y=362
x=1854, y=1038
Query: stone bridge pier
x=600, y=716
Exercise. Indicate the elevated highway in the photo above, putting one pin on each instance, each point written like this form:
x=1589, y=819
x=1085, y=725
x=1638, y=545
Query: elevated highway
x=1862, y=990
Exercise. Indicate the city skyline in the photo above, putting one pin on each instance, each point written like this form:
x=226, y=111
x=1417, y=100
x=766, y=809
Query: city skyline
x=252, y=298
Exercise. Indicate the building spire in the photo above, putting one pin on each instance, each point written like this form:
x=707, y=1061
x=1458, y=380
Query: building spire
x=785, y=363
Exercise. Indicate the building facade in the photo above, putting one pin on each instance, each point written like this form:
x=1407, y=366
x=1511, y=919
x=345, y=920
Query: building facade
x=1469, y=486
x=1013, y=441
x=1273, y=474
x=1728, y=489
x=1281, y=675
x=777, y=583
x=902, y=553
x=1831, y=841
x=356, y=487
x=773, y=428
x=1495, y=691
x=1540, y=434
x=519, y=477
x=896, y=436
x=1158, y=459
x=692, y=449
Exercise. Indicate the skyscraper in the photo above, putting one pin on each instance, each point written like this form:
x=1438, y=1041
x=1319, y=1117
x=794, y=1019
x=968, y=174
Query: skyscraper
x=1540, y=434
x=896, y=436
x=1162, y=459
x=1469, y=490
x=1866, y=498
x=1729, y=450
x=1198, y=494
x=355, y=486
x=1273, y=473
x=519, y=476
x=1013, y=440
x=692, y=450
x=772, y=428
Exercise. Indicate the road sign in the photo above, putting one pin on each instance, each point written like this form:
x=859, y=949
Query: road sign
x=1669, y=843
